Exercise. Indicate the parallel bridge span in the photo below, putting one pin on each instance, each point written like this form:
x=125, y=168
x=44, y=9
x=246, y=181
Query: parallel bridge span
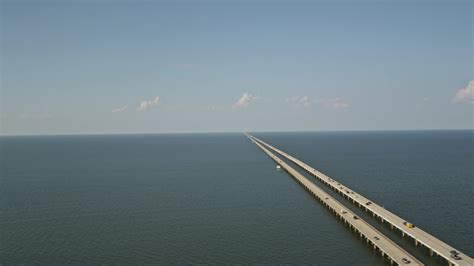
x=387, y=247
x=420, y=237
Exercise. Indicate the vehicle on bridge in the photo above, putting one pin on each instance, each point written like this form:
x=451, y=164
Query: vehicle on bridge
x=409, y=225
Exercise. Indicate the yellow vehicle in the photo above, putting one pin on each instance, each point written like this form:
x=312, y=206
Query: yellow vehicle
x=409, y=225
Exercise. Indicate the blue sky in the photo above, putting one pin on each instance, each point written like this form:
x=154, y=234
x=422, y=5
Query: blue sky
x=71, y=67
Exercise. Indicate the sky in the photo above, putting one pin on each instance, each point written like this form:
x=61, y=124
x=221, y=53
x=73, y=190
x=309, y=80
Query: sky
x=99, y=67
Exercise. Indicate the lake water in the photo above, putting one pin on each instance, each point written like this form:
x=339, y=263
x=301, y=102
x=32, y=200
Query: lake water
x=217, y=198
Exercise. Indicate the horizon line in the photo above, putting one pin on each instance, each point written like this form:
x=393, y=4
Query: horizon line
x=233, y=132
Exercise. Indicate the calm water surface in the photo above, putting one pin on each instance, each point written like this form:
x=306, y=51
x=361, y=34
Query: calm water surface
x=217, y=199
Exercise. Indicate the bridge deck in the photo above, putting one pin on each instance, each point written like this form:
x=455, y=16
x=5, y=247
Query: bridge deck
x=421, y=237
x=386, y=247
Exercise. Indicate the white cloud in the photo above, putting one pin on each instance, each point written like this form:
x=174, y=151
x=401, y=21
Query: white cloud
x=148, y=104
x=307, y=102
x=465, y=95
x=299, y=101
x=244, y=101
x=120, y=109
x=336, y=103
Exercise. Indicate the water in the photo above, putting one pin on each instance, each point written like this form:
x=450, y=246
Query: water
x=217, y=199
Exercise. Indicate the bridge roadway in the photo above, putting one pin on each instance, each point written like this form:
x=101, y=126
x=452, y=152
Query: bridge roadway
x=386, y=246
x=435, y=245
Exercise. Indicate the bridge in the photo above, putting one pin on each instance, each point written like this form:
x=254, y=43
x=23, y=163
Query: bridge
x=387, y=248
x=435, y=246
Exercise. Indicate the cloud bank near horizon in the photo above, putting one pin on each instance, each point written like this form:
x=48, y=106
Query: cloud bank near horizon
x=244, y=101
x=299, y=101
x=465, y=95
x=148, y=104
x=120, y=109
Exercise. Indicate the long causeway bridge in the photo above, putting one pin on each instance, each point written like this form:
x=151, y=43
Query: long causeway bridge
x=384, y=244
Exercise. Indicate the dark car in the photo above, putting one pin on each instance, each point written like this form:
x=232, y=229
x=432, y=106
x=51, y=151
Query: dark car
x=355, y=217
x=406, y=261
x=368, y=203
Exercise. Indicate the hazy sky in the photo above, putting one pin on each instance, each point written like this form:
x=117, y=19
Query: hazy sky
x=191, y=66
